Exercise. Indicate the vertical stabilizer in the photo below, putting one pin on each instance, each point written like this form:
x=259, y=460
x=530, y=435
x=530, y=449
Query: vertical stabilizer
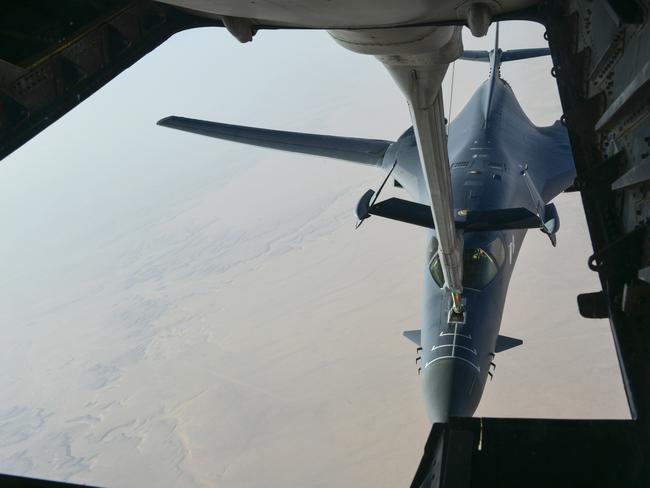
x=495, y=57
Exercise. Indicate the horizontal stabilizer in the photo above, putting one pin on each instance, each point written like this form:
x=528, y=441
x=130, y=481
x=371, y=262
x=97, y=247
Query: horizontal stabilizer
x=413, y=336
x=511, y=55
x=476, y=56
x=504, y=343
x=502, y=219
x=517, y=54
x=480, y=220
x=403, y=211
x=364, y=151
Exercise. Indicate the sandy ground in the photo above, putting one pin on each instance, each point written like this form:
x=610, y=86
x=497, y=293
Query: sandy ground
x=223, y=353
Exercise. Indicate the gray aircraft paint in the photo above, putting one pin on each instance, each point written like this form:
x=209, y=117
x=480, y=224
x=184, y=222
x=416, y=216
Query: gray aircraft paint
x=493, y=149
x=488, y=150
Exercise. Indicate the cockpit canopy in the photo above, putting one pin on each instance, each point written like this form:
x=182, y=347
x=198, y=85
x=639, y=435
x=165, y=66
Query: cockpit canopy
x=480, y=264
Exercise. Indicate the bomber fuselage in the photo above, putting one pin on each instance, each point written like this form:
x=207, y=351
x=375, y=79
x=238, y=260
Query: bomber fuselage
x=488, y=152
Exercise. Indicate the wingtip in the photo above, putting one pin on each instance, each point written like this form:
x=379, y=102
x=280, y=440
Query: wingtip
x=165, y=121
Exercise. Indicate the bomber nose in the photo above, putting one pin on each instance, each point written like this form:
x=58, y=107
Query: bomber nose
x=451, y=388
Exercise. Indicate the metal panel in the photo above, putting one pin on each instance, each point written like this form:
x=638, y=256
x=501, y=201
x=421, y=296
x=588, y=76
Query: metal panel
x=55, y=55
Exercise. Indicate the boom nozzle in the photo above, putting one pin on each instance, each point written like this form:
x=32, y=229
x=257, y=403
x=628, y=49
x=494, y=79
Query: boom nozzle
x=457, y=310
x=457, y=306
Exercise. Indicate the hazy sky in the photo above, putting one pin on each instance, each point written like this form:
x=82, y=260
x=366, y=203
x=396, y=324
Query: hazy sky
x=178, y=310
